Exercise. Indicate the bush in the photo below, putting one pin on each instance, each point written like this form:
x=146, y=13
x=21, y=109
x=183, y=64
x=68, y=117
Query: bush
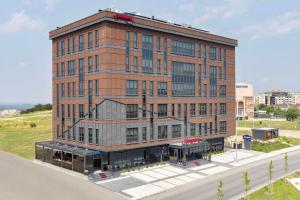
x=38, y=107
x=32, y=125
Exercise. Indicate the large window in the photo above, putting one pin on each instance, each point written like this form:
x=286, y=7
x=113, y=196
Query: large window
x=151, y=88
x=176, y=131
x=136, y=69
x=202, y=109
x=162, y=110
x=222, y=91
x=131, y=111
x=96, y=63
x=90, y=135
x=147, y=53
x=135, y=40
x=144, y=134
x=162, y=132
x=223, y=127
x=131, y=88
x=192, y=109
x=81, y=111
x=71, y=67
x=90, y=64
x=97, y=136
x=158, y=43
x=63, y=69
x=212, y=53
x=223, y=109
x=158, y=66
x=213, y=81
x=162, y=89
x=132, y=135
x=183, y=48
x=96, y=38
x=183, y=79
x=193, y=129
x=81, y=77
x=90, y=40
x=81, y=134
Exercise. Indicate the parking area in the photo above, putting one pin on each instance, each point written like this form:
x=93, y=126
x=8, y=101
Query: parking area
x=146, y=182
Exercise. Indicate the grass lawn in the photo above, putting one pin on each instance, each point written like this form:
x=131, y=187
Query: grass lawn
x=268, y=147
x=284, y=125
x=282, y=191
x=18, y=136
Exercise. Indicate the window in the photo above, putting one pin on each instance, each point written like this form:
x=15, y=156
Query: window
x=225, y=65
x=96, y=38
x=97, y=136
x=223, y=109
x=96, y=63
x=90, y=135
x=173, y=110
x=162, y=89
x=179, y=110
x=71, y=68
x=202, y=109
x=162, y=110
x=222, y=90
x=210, y=109
x=220, y=73
x=151, y=88
x=205, y=129
x=69, y=90
x=57, y=70
x=219, y=54
x=81, y=134
x=144, y=88
x=73, y=44
x=90, y=87
x=73, y=89
x=158, y=43
x=158, y=66
x=69, y=111
x=62, y=89
x=131, y=88
x=193, y=129
x=90, y=64
x=162, y=132
x=176, y=131
x=131, y=111
x=63, y=69
x=210, y=127
x=57, y=49
x=223, y=127
x=213, y=81
x=68, y=46
x=132, y=135
x=135, y=40
x=81, y=111
x=147, y=54
x=127, y=51
x=205, y=90
x=90, y=40
x=200, y=129
x=144, y=134
x=135, y=64
x=62, y=46
x=192, y=109
x=81, y=42
x=144, y=110
x=183, y=48
x=183, y=79
x=97, y=87
x=166, y=56
x=81, y=77
x=199, y=50
x=212, y=53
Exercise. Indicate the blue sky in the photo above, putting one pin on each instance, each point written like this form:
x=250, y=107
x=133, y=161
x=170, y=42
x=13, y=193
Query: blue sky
x=268, y=32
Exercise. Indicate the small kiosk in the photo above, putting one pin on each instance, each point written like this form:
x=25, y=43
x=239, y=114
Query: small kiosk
x=265, y=134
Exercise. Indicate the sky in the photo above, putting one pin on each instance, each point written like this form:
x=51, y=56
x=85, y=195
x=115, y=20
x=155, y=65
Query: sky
x=267, y=30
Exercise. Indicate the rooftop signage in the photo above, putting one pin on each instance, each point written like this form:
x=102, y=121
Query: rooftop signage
x=191, y=140
x=123, y=17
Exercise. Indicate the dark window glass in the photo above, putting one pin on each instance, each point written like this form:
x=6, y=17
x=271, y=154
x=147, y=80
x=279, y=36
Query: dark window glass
x=183, y=48
x=176, y=131
x=183, y=79
x=131, y=88
x=131, y=111
x=162, y=132
x=162, y=110
x=132, y=135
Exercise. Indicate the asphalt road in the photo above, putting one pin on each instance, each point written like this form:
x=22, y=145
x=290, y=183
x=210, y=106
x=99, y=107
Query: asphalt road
x=21, y=179
x=206, y=189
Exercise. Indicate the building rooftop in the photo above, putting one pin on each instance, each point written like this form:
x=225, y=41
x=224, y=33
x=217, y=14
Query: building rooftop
x=264, y=129
x=137, y=20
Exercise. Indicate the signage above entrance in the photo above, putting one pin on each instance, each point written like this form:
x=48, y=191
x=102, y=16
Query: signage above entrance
x=123, y=17
x=191, y=140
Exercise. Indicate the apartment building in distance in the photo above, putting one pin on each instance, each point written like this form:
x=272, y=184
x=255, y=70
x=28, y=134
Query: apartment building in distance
x=130, y=90
x=244, y=101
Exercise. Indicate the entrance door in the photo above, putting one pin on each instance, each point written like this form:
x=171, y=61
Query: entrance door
x=97, y=163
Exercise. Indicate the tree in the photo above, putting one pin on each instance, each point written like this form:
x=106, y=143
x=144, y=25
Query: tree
x=292, y=114
x=286, y=164
x=270, y=187
x=247, y=184
x=220, y=193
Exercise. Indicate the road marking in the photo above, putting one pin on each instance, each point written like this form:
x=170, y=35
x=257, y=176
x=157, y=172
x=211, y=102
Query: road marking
x=155, y=174
x=111, y=180
x=143, y=177
x=175, y=181
x=214, y=170
x=165, y=172
x=175, y=169
x=202, y=167
x=163, y=184
x=185, y=178
x=142, y=191
x=194, y=175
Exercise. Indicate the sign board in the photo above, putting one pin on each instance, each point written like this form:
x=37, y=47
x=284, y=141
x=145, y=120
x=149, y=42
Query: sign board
x=191, y=140
x=247, y=137
x=123, y=17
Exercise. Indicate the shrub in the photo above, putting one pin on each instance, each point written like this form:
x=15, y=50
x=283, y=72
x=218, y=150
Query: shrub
x=32, y=125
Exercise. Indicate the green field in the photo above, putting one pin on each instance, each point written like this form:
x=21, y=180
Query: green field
x=18, y=136
x=282, y=191
x=284, y=125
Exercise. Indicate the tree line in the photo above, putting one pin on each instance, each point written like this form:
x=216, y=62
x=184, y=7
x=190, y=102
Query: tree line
x=37, y=107
x=290, y=114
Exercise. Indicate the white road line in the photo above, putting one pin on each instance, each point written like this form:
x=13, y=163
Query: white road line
x=185, y=178
x=165, y=172
x=143, y=177
x=163, y=184
x=143, y=191
x=202, y=167
x=214, y=170
x=194, y=175
x=175, y=169
x=111, y=180
x=155, y=174
x=175, y=181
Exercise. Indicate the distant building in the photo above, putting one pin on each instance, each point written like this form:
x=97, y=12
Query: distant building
x=265, y=133
x=244, y=101
x=278, y=98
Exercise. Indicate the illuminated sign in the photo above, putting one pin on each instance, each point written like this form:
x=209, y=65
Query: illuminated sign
x=191, y=140
x=123, y=17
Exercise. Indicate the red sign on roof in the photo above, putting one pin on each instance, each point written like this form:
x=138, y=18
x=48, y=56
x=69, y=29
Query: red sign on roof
x=123, y=17
x=191, y=140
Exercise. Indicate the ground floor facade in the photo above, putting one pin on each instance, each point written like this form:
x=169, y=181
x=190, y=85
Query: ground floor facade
x=88, y=160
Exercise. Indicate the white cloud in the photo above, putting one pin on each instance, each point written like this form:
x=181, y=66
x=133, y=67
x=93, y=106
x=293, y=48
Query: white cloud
x=279, y=25
x=265, y=80
x=50, y=4
x=189, y=7
x=26, y=2
x=23, y=63
x=227, y=9
x=17, y=22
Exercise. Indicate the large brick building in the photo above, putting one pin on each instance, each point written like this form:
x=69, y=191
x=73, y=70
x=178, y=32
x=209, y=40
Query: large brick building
x=126, y=86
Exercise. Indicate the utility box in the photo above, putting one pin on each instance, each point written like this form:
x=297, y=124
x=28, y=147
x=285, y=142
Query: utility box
x=247, y=142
